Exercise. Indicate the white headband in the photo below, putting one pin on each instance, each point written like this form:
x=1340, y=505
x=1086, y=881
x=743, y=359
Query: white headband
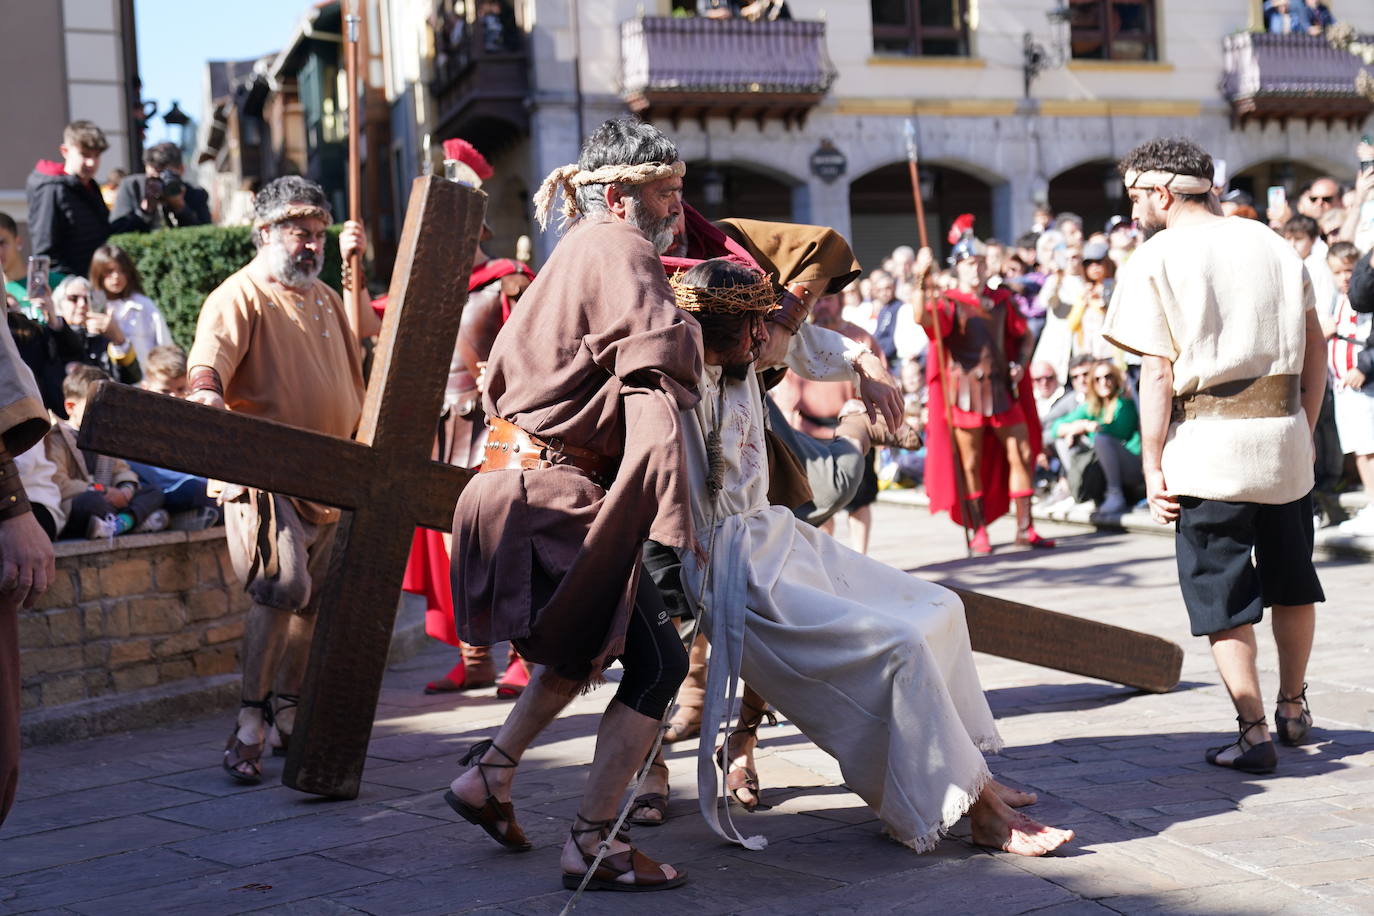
x=570, y=177
x=1158, y=178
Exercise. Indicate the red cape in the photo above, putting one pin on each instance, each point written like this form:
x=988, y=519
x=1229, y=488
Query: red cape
x=427, y=570
x=704, y=242
x=939, y=472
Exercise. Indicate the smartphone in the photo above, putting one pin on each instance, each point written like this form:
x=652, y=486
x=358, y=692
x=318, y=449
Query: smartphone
x=38, y=276
x=1366, y=164
x=1278, y=198
x=99, y=304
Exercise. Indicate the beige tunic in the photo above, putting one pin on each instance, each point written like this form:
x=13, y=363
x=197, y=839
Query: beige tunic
x=23, y=419
x=1223, y=301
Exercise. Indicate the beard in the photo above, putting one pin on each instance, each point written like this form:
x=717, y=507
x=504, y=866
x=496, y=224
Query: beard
x=1148, y=229
x=660, y=232
x=296, y=271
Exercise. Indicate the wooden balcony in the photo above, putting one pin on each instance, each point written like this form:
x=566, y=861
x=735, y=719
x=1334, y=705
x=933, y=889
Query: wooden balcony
x=1283, y=77
x=680, y=68
x=480, y=91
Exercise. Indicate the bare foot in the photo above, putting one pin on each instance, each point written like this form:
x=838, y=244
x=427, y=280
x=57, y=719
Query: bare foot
x=573, y=863
x=997, y=826
x=740, y=755
x=1015, y=798
x=656, y=783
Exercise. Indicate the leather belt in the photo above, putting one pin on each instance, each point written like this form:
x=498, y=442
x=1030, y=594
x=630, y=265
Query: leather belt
x=510, y=447
x=1246, y=399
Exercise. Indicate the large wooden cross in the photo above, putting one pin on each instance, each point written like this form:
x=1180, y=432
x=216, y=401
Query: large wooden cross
x=384, y=479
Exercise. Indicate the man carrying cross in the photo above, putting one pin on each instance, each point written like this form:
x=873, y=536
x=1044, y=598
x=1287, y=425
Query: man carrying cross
x=594, y=365
x=275, y=342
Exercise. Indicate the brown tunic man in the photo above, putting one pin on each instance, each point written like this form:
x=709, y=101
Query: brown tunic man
x=595, y=363
x=275, y=342
x=26, y=559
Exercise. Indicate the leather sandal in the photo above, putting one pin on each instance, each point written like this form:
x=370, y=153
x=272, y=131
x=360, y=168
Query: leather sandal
x=236, y=753
x=1293, y=730
x=1257, y=758
x=283, y=739
x=741, y=778
x=654, y=801
x=492, y=812
x=648, y=875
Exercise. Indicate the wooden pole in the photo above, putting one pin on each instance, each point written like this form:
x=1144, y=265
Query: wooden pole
x=354, y=282
x=960, y=490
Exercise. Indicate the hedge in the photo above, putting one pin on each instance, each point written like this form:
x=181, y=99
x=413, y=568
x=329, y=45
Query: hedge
x=180, y=267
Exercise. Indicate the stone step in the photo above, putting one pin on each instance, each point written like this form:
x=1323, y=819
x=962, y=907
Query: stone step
x=1329, y=542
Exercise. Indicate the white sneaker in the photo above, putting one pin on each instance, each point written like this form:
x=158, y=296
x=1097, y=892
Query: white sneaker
x=1360, y=525
x=102, y=527
x=157, y=520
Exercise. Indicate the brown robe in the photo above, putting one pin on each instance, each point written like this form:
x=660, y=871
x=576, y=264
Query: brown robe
x=599, y=356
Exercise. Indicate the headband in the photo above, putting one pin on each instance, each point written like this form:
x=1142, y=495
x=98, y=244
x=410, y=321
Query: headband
x=724, y=300
x=290, y=211
x=571, y=177
x=1171, y=181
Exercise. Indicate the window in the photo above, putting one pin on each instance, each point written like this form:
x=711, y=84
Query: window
x=1112, y=29
x=921, y=28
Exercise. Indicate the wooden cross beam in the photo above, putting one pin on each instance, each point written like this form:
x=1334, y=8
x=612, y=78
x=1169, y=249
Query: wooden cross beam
x=384, y=479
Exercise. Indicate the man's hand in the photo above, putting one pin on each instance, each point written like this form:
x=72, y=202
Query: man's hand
x=1353, y=379
x=773, y=352
x=1015, y=371
x=207, y=397
x=1163, y=504
x=925, y=260
x=27, y=567
x=877, y=390
x=352, y=240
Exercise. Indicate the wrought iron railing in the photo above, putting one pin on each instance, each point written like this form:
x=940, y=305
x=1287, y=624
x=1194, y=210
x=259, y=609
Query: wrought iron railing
x=1259, y=65
x=699, y=55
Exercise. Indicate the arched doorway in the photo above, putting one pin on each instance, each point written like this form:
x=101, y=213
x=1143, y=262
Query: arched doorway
x=882, y=215
x=719, y=189
x=1093, y=190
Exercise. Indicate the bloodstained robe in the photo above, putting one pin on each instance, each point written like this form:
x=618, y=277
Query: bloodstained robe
x=994, y=471
x=599, y=356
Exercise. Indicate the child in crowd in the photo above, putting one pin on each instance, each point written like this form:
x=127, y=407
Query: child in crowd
x=1352, y=365
x=113, y=273
x=101, y=495
x=1303, y=234
x=164, y=372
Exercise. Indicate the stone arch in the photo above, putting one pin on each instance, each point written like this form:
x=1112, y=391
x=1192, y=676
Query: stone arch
x=1093, y=190
x=747, y=189
x=881, y=207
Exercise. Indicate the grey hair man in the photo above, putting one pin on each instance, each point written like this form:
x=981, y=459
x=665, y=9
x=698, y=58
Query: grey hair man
x=275, y=342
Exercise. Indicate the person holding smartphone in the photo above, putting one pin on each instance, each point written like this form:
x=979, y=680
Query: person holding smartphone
x=160, y=198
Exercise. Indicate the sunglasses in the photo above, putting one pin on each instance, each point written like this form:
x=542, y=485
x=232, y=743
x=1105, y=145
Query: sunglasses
x=77, y=297
x=1078, y=375
x=1324, y=200
x=1104, y=378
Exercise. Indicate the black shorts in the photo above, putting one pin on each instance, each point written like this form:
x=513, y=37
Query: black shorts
x=1222, y=587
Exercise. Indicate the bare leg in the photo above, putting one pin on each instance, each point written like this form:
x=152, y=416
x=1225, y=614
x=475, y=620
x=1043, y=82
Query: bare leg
x=1234, y=652
x=1294, y=627
x=655, y=783
x=971, y=455
x=291, y=672
x=265, y=638
x=997, y=826
x=1364, y=466
x=622, y=742
x=686, y=720
x=532, y=713
x=860, y=524
x=742, y=741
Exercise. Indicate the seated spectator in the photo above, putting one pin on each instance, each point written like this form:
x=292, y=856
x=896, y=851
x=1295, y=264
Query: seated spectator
x=103, y=343
x=1109, y=421
x=39, y=476
x=1051, y=468
x=160, y=198
x=46, y=344
x=113, y=273
x=165, y=373
x=101, y=495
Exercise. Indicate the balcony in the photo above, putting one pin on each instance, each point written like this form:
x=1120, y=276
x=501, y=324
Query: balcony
x=1281, y=77
x=681, y=68
x=480, y=85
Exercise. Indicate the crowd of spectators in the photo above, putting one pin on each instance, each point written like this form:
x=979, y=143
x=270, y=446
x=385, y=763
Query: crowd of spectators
x=79, y=315
x=1306, y=17
x=1062, y=272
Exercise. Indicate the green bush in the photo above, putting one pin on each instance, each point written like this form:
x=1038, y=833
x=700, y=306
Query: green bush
x=180, y=267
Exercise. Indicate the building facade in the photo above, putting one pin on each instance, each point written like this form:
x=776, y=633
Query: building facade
x=1013, y=103
x=66, y=61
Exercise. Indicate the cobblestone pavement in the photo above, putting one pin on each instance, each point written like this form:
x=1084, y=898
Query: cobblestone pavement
x=147, y=823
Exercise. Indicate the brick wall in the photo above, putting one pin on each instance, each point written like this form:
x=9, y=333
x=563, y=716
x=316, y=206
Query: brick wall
x=156, y=609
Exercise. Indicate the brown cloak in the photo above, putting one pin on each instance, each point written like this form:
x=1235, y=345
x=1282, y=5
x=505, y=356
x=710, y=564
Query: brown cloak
x=599, y=356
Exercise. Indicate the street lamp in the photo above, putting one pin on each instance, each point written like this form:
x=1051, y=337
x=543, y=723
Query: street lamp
x=1037, y=58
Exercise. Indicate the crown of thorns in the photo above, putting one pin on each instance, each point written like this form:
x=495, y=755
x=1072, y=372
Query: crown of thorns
x=725, y=300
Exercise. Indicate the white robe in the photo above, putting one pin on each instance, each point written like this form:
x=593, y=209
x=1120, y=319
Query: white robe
x=871, y=663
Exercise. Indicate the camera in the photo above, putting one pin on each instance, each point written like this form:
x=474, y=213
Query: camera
x=172, y=185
